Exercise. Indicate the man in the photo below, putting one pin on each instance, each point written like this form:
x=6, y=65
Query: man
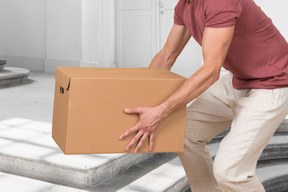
x=252, y=99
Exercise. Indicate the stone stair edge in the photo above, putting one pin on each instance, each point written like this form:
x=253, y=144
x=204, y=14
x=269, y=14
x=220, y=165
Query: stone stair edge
x=275, y=171
x=180, y=185
x=36, y=170
x=133, y=173
x=274, y=146
x=279, y=184
x=77, y=177
x=281, y=130
x=45, y=156
x=116, y=166
x=173, y=168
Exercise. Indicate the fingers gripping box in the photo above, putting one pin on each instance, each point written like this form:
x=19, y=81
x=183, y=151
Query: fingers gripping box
x=88, y=114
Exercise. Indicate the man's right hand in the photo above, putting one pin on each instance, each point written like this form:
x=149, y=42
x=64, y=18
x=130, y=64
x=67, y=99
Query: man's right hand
x=149, y=120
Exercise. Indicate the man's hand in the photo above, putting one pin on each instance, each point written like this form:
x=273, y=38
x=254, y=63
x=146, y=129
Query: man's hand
x=149, y=120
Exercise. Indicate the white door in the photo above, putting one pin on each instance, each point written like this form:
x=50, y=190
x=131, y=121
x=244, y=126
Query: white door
x=136, y=32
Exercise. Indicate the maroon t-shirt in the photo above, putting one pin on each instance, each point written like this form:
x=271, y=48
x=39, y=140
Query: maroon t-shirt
x=258, y=54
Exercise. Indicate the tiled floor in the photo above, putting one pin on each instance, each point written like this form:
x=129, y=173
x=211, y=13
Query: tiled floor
x=33, y=100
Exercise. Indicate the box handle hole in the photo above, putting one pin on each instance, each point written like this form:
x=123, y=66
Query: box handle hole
x=61, y=90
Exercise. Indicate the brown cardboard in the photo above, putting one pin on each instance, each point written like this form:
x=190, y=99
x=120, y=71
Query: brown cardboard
x=88, y=114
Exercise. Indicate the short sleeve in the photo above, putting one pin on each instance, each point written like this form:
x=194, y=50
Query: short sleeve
x=222, y=13
x=177, y=12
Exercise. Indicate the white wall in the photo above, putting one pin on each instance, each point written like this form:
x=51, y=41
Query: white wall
x=277, y=11
x=42, y=34
x=23, y=32
x=80, y=33
x=64, y=43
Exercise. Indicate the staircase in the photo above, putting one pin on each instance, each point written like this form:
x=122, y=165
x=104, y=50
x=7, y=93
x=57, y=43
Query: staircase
x=30, y=156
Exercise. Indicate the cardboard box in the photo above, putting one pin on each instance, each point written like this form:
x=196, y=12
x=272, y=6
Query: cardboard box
x=88, y=114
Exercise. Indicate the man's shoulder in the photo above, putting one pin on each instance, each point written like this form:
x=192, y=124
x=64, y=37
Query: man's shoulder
x=221, y=13
x=221, y=3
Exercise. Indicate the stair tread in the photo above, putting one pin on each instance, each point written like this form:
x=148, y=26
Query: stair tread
x=32, y=140
x=12, y=72
x=282, y=130
x=14, y=183
x=279, y=140
x=26, y=144
x=172, y=172
x=275, y=140
x=134, y=173
x=272, y=171
x=159, y=179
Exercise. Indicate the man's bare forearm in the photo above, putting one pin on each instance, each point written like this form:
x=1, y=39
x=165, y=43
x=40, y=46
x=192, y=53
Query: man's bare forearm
x=162, y=60
x=190, y=89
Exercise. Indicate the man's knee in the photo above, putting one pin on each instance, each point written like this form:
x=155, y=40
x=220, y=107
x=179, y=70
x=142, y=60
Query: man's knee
x=222, y=173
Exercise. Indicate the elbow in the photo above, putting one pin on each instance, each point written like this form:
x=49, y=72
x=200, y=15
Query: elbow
x=213, y=74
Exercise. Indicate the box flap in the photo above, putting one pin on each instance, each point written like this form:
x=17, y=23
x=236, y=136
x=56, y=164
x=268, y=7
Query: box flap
x=118, y=73
x=61, y=78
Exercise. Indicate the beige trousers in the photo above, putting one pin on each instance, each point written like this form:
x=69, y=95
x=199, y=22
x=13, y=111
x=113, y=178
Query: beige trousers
x=252, y=114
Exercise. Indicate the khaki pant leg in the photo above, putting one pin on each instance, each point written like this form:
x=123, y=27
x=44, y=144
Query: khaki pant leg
x=256, y=115
x=207, y=116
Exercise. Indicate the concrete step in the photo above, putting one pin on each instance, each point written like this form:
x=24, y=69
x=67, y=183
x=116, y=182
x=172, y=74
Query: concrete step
x=27, y=149
x=133, y=173
x=166, y=178
x=282, y=130
x=14, y=183
x=274, y=177
x=11, y=76
x=276, y=149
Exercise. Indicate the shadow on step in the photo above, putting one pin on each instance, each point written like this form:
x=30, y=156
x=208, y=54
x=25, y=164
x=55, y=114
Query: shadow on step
x=278, y=184
x=133, y=173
